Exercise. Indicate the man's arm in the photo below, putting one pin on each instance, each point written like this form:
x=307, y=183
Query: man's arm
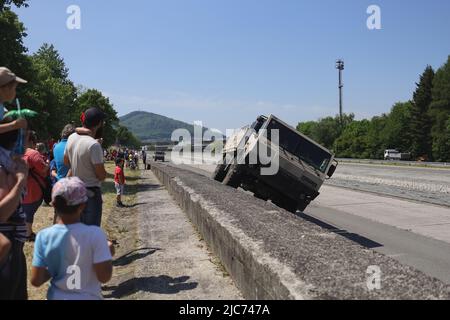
x=97, y=160
x=104, y=271
x=15, y=125
x=11, y=201
x=100, y=172
x=39, y=276
x=66, y=160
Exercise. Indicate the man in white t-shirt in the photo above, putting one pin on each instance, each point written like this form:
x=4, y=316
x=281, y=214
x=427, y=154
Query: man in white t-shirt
x=74, y=256
x=84, y=157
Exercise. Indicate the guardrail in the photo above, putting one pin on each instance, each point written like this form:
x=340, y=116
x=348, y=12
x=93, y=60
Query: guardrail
x=397, y=163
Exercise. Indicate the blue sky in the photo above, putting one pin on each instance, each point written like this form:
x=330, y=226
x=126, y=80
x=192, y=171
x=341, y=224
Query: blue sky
x=226, y=61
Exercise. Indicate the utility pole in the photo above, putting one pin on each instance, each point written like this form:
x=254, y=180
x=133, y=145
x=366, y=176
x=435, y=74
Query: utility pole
x=340, y=67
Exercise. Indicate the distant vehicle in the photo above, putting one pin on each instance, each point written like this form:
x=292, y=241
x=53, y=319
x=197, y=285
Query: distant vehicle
x=160, y=154
x=303, y=164
x=394, y=154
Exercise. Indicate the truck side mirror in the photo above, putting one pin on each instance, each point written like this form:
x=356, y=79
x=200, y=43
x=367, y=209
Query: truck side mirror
x=331, y=171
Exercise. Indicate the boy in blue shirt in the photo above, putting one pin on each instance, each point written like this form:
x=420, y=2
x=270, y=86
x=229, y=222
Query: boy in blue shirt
x=75, y=257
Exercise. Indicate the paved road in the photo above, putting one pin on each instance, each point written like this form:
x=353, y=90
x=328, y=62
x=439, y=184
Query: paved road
x=431, y=185
x=384, y=224
x=173, y=264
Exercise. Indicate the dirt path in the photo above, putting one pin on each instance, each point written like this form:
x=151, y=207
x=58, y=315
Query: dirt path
x=161, y=255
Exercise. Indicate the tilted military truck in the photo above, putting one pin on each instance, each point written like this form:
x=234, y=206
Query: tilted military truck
x=303, y=164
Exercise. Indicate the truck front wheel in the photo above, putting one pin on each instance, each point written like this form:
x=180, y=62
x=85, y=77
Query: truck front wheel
x=220, y=172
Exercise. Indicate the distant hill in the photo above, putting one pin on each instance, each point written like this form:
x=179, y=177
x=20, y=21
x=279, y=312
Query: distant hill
x=150, y=127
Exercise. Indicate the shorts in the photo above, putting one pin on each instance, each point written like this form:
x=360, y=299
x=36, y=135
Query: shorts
x=31, y=209
x=119, y=189
x=13, y=274
x=92, y=214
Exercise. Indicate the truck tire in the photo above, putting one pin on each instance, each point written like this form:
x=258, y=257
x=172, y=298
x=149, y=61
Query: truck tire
x=286, y=203
x=302, y=205
x=233, y=177
x=220, y=172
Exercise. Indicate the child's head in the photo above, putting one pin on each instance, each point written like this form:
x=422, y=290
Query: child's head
x=40, y=147
x=8, y=84
x=119, y=162
x=69, y=196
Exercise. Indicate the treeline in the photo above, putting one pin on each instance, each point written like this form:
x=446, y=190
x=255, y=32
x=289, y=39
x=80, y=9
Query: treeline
x=420, y=126
x=50, y=91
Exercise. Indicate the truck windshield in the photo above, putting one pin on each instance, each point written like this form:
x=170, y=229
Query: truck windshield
x=300, y=147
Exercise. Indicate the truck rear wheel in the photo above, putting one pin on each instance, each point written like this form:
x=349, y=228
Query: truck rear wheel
x=220, y=172
x=233, y=177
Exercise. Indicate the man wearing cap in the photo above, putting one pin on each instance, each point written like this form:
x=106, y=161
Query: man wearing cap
x=8, y=85
x=84, y=157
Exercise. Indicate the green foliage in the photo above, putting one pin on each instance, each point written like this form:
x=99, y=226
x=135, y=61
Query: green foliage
x=51, y=93
x=94, y=98
x=6, y=4
x=440, y=112
x=326, y=130
x=396, y=131
x=420, y=126
x=12, y=50
x=127, y=139
x=353, y=142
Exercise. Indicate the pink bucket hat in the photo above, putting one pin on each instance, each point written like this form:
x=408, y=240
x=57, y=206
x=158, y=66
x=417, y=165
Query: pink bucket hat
x=72, y=190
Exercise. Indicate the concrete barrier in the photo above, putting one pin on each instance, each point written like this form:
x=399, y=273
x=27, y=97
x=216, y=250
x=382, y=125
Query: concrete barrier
x=273, y=254
x=445, y=165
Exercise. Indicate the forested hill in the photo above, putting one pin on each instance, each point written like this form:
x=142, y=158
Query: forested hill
x=151, y=127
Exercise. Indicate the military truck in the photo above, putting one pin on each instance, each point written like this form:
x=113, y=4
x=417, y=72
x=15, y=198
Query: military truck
x=160, y=153
x=304, y=165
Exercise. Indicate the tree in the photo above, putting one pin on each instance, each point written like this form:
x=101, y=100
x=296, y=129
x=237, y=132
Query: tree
x=52, y=92
x=396, y=133
x=376, y=139
x=6, y=4
x=353, y=142
x=420, y=126
x=126, y=138
x=326, y=130
x=440, y=112
x=94, y=98
x=12, y=50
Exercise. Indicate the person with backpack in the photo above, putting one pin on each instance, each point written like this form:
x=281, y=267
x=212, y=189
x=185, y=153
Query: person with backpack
x=37, y=183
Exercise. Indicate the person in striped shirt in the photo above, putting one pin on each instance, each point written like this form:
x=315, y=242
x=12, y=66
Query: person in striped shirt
x=13, y=179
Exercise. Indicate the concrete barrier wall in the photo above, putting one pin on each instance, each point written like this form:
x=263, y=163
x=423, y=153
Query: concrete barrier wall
x=272, y=254
x=397, y=163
